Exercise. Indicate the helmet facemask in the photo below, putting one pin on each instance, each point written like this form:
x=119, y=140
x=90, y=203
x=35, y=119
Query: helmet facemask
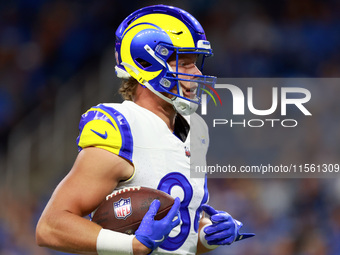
x=174, y=81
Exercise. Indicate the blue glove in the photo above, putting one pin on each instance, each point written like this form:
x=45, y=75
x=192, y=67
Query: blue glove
x=153, y=232
x=224, y=229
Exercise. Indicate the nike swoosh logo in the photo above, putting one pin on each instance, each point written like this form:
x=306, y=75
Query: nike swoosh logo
x=104, y=136
x=161, y=240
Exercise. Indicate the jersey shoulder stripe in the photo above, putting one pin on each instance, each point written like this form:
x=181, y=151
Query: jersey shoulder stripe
x=105, y=127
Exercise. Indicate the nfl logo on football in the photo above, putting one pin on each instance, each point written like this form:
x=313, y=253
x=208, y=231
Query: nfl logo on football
x=122, y=208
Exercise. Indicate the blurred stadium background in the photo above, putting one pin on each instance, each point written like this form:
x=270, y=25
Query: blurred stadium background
x=57, y=60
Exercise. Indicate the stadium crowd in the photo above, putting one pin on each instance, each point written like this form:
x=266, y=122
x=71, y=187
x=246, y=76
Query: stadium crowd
x=43, y=43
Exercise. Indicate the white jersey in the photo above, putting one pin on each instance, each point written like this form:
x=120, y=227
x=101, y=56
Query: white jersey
x=161, y=160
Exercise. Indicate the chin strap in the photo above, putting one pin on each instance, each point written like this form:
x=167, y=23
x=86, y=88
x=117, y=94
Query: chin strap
x=182, y=106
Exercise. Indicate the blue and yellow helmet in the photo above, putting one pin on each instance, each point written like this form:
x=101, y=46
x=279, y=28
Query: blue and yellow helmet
x=147, y=38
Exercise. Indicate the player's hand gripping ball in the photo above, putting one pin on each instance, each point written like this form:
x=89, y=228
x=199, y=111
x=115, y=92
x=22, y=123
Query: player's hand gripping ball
x=224, y=229
x=124, y=210
x=153, y=232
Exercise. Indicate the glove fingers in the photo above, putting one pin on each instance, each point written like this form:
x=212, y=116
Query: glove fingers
x=218, y=236
x=209, y=210
x=153, y=209
x=174, y=210
x=220, y=217
x=224, y=226
x=223, y=241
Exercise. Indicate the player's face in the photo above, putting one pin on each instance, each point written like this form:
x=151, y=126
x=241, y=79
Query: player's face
x=187, y=65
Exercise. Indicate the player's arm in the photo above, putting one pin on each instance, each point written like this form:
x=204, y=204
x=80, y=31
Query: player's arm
x=95, y=174
x=200, y=247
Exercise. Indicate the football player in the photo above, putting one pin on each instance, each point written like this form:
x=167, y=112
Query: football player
x=151, y=139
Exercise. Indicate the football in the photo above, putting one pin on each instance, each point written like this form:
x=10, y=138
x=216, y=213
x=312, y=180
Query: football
x=124, y=209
